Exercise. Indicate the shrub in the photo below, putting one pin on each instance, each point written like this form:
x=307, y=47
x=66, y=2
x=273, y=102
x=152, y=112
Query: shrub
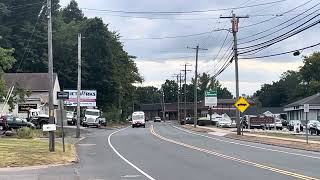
x=25, y=133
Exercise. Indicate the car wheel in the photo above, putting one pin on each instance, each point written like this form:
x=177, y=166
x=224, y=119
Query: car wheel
x=132, y=126
x=144, y=126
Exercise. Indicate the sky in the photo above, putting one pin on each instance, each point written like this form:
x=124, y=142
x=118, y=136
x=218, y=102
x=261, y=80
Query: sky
x=160, y=58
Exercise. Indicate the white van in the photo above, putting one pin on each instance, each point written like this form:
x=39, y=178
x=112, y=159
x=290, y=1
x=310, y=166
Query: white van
x=138, y=119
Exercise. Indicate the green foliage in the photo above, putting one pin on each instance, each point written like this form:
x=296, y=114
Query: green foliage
x=106, y=67
x=170, y=91
x=293, y=85
x=25, y=133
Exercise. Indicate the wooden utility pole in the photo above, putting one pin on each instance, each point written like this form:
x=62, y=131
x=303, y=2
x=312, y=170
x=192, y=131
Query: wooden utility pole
x=196, y=85
x=235, y=28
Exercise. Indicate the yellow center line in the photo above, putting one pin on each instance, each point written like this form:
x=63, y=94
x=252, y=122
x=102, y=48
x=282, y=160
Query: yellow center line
x=261, y=166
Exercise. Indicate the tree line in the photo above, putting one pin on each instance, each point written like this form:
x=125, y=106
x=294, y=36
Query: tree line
x=293, y=85
x=106, y=66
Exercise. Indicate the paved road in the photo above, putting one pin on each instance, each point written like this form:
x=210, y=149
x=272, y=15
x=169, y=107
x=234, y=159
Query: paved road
x=164, y=151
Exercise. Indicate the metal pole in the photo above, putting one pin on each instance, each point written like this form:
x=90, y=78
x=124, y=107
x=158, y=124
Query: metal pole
x=79, y=88
x=195, y=90
x=307, y=135
x=62, y=129
x=164, y=107
x=235, y=49
x=179, y=93
x=178, y=76
x=50, y=74
x=185, y=93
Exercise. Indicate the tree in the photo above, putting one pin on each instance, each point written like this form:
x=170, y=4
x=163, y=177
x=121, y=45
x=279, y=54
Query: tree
x=72, y=12
x=170, y=89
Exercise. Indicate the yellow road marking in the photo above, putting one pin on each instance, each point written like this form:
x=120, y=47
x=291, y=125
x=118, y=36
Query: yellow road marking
x=280, y=171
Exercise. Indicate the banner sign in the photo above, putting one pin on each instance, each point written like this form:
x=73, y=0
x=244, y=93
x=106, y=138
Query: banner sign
x=87, y=98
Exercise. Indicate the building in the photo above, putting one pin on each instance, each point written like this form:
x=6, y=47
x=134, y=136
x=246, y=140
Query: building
x=37, y=85
x=295, y=110
x=171, y=109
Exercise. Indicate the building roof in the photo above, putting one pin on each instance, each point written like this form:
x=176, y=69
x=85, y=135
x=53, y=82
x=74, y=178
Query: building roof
x=28, y=81
x=312, y=100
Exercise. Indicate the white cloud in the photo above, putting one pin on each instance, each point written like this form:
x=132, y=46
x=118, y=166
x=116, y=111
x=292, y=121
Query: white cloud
x=157, y=58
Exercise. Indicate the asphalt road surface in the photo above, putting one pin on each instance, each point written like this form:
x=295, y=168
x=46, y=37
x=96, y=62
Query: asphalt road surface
x=165, y=151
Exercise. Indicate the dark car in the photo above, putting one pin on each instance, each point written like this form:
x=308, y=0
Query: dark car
x=157, y=119
x=11, y=122
x=189, y=120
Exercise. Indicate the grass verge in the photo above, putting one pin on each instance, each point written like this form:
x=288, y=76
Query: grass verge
x=277, y=142
x=22, y=153
x=292, y=136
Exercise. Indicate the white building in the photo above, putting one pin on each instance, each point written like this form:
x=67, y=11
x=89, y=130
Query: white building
x=37, y=84
x=295, y=110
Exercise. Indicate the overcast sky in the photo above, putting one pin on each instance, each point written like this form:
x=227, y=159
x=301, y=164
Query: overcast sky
x=159, y=59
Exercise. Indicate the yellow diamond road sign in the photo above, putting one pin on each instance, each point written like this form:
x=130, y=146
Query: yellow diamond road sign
x=242, y=104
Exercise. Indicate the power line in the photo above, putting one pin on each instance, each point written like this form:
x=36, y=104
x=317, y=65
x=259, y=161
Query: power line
x=281, y=37
x=279, y=54
x=250, y=25
x=280, y=25
x=181, y=12
x=167, y=37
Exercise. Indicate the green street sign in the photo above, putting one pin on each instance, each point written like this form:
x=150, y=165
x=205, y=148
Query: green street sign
x=210, y=93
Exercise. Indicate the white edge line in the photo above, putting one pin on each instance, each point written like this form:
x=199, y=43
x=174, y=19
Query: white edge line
x=247, y=145
x=124, y=159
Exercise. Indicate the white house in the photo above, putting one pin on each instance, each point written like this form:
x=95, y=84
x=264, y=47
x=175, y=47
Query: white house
x=295, y=110
x=37, y=84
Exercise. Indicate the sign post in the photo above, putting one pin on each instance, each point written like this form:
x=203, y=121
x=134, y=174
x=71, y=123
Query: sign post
x=242, y=105
x=306, y=108
x=62, y=96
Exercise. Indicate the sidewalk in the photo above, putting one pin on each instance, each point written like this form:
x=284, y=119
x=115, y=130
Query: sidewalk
x=225, y=132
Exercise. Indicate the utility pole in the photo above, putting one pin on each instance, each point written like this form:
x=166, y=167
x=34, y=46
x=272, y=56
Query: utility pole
x=196, y=85
x=178, y=95
x=79, y=87
x=164, y=107
x=185, y=90
x=50, y=74
x=235, y=25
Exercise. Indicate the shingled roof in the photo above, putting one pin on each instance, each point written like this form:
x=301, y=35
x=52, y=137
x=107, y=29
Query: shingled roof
x=28, y=81
x=312, y=100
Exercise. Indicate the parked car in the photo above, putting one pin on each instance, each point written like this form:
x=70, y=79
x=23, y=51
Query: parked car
x=157, y=119
x=311, y=122
x=189, y=120
x=278, y=124
x=293, y=123
x=11, y=122
x=224, y=123
x=314, y=128
x=70, y=118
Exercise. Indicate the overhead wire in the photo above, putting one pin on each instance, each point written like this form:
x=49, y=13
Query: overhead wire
x=280, y=38
x=279, y=54
x=250, y=25
x=183, y=12
x=280, y=25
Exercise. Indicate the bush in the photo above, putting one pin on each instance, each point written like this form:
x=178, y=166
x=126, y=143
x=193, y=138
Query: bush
x=25, y=133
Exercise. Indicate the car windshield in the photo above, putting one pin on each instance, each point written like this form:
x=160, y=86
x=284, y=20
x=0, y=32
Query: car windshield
x=137, y=117
x=92, y=113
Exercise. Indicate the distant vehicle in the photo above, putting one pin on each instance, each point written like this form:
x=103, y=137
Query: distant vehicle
x=311, y=122
x=38, y=118
x=293, y=123
x=189, y=120
x=278, y=124
x=157, y=119
x=216, y=117
x=314, y=128
x=15, y=122
x=70, y=118
x=224, y=121
x=138, y=119
x=92, y=118
x=259, y=122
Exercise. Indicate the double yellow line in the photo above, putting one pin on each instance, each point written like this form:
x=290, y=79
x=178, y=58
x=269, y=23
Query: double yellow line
x=261, y=166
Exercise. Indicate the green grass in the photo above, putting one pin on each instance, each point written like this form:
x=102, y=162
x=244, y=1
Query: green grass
x=21, y=153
